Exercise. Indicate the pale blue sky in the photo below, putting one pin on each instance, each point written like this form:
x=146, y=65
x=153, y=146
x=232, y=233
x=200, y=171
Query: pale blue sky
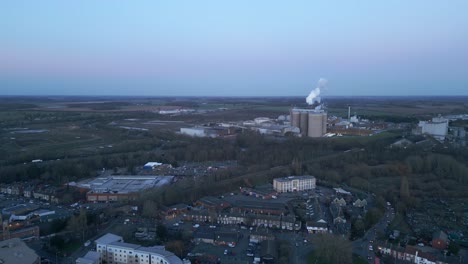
x=242, y=48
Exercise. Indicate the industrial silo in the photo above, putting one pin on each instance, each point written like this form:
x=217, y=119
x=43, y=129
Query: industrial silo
x=295, y=118
x=304, y=123
x=315, y=128
x=324, y=123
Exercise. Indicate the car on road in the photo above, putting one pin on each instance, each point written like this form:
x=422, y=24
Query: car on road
x=371, y=248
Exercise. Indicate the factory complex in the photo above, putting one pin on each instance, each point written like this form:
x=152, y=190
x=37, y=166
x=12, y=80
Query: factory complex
x=119, y=187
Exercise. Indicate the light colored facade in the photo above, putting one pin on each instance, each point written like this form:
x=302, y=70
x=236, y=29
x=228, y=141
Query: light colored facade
x=113, y=250
x=317, y=227
x=294, y=183
x=438, y=127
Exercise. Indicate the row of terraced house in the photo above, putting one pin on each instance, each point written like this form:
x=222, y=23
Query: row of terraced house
x=46, y=193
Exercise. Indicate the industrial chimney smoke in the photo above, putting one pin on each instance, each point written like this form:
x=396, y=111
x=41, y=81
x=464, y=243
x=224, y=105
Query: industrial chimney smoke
x=314, y=95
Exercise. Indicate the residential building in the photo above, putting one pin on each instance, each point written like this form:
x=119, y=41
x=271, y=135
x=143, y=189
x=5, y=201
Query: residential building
x=257, y=237
x=172, y=211
x=410, y=254
x=200, y=216
x=360, y=203
x=294, y=183
x=316, y=227
x=267, y=207
x=212, y=203
x=113, y=250
x=440, y=240
x=339, y=202
x=205, y=235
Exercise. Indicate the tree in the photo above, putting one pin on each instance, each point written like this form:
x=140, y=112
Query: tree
x=178, y=247
x=333, y=249
x=79, y=223
x=357, y=228
x=404, y=188
x=161, y=231
x=149, y=209
x=453, y=248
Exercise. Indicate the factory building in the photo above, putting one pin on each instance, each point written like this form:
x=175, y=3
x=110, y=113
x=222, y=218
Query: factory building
x=119, y=187
x=311, y=122
x=294, y=183
x=438, y=127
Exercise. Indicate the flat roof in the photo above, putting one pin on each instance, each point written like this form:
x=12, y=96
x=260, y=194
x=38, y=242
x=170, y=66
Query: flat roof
x=152, y=164
x=16, y=251
x=91, y=257
x=125, y=183
x=124, y=245
x=108, y=238
x=157, y=250
x=290, y=178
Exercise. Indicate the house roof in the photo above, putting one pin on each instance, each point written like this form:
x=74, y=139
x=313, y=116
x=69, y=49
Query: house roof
x=124, y=245
x=440, y=235
x=320, y=223
x=212, y=201
x=268, y=249
x=413, y=250
x=203, y=233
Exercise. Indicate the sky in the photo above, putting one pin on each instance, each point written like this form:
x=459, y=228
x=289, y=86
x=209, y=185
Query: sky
x=233, y=48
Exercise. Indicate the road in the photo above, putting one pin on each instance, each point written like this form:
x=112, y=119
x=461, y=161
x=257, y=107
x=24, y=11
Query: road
x=361, y=246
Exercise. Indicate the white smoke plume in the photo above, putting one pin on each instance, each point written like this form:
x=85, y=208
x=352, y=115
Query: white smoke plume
x=314, y=94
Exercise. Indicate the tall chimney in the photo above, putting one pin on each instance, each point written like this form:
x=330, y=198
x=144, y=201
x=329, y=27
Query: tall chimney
x=349, y=112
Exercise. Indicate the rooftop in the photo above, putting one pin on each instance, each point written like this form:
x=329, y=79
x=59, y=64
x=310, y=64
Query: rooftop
x=124, y=245
x=108, y=238
x=290, y=178
x=124, y=183
x=13, y=251
x=90, y=258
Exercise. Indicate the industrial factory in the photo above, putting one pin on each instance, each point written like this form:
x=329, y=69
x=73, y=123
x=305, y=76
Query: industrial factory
x=311, y=122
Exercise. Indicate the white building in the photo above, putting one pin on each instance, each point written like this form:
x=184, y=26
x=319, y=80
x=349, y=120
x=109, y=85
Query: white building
x=193, y=131
x=294, y=183
x=113, y=250
x=438, y=127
